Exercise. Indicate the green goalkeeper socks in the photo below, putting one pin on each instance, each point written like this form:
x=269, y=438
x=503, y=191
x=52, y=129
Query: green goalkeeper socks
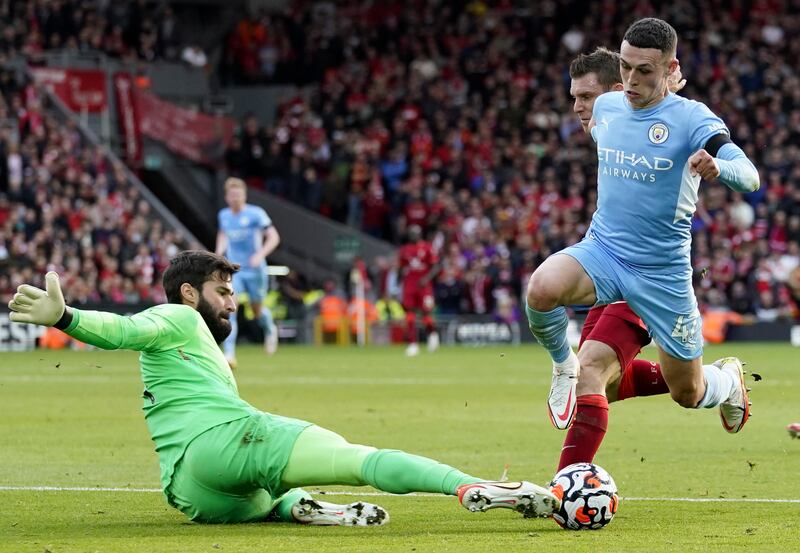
x=321, y=457
x=399, y=472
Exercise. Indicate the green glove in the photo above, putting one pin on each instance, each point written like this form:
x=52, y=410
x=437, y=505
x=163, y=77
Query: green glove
x=37, y=306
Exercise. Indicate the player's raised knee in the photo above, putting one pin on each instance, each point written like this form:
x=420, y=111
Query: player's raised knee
x=543, y=290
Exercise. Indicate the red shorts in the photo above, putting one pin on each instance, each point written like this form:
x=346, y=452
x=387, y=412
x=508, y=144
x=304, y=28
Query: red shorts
x=417, y=297
x=618, y=327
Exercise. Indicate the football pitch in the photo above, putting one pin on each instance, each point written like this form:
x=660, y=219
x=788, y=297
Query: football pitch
x=79, y=472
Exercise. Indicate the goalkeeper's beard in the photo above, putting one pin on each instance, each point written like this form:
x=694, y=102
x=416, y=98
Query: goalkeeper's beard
x=220, y=327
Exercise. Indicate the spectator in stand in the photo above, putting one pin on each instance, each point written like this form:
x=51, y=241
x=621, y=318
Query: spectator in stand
x=119, y=29
x=65, y=207
x=463, y=115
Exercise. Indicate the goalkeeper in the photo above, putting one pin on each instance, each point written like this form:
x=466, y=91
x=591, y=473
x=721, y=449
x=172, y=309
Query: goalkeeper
x=223, y=460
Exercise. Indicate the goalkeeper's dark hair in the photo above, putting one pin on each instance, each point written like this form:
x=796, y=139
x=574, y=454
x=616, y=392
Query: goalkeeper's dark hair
x=195, y=267
x=602, y=62
x=652, y=33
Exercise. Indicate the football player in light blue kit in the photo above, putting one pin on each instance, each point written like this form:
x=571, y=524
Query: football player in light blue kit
x=653, y=149
x=247, y=236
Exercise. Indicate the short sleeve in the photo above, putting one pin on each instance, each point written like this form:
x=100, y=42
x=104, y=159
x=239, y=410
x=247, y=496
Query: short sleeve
x=704, y=125
x=263, y=219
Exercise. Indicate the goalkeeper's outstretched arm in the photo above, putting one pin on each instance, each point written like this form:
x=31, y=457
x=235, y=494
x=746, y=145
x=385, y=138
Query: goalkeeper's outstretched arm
x=99, y=328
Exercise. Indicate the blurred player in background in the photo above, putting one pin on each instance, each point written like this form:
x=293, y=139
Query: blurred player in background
x=418, y=266
x=247, y=236
x=221, y=459
x=794, y=430
x=653, y=148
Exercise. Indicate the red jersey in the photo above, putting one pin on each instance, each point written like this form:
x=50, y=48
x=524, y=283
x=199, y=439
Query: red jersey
x=416, y=261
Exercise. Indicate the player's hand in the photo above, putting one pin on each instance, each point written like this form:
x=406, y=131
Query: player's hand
x=676, y=82
x=255, y=260
x=701, y=163
x=36, y=306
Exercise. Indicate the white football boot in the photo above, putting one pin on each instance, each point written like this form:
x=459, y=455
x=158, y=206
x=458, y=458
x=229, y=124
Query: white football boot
x=561, y=401
x=412, y=350
x=319, y=513
x=526, y=498
x=735, y=410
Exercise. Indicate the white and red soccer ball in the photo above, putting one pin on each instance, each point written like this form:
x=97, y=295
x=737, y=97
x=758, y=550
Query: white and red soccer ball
x=588, y=496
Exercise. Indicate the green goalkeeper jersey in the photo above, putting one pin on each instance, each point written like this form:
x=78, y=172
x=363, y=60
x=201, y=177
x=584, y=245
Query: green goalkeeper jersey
x=188, y=386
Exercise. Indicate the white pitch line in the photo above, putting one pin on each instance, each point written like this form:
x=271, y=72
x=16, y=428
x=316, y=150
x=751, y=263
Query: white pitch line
x=384, y=494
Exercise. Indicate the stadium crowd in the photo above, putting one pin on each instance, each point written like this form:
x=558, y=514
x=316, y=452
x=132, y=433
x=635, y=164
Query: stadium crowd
x=131, y=30
x=65, y=206
x=460, y=121
x=456, y=120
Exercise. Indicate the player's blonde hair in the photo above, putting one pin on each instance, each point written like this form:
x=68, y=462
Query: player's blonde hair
x=235, y=182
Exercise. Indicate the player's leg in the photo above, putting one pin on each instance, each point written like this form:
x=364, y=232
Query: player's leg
x=229, y=345
x=211, y=482
x=620, y=329
x=668, y=305
x=257, y=287
x=611, y=343
x=579, y=274
x=228, y=475
x=412, y=349
x=427, y=319
x=640, y=378
x=321, y=457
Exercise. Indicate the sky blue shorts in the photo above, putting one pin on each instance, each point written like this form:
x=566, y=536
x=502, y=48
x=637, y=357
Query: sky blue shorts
x=663, y=298
x=253, y=282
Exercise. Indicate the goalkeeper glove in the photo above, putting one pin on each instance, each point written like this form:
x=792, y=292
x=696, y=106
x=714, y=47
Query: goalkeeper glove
x=36, y=306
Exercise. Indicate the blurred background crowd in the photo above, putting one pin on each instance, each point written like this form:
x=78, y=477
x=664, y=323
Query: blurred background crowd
x=450, y=116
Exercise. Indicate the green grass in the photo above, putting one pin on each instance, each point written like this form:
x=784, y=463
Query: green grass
x=73, y=419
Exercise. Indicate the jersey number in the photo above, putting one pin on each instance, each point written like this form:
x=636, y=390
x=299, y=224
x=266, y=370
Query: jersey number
x=685, y=330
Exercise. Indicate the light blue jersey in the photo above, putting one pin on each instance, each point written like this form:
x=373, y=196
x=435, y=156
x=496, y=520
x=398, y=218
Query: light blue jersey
x=638, y=245
x=646, y=196
x=245, y=233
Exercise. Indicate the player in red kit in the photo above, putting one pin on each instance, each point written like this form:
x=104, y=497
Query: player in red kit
x=418, y=266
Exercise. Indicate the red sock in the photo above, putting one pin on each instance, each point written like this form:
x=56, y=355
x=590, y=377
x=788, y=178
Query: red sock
x=587, y=431
x=411, y=328
x=642, y=378
x=427, y=320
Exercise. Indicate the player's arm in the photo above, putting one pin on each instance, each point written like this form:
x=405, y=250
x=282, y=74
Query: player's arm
x=430, y=275
x=222, y=243
x=143, y=331
x=723, y=159
x=271, y=241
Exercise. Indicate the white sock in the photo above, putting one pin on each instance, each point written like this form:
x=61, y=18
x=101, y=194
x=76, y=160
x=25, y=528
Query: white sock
x=570, y=363
x=719, y=386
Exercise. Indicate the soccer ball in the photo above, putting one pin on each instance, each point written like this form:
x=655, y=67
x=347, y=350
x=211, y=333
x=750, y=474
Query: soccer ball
x=588, y=497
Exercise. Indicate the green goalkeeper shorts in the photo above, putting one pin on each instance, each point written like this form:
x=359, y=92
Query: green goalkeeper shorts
x=232, y=472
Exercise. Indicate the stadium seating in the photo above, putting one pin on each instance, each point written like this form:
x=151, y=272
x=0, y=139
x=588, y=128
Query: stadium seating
x=461, y=121
x=65, y=206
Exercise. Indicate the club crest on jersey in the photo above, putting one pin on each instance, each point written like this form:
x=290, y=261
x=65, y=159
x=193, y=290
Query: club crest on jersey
x=658, y=133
